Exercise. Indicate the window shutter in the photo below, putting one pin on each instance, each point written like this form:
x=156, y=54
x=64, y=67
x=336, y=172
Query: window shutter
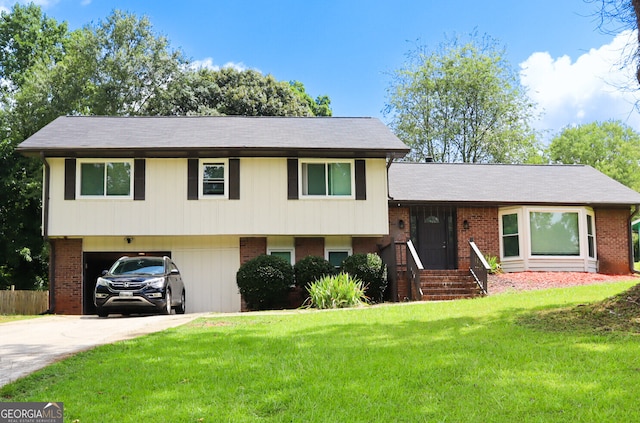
x=234, y=179
x=70, y=179
x=361, y=180
x=292, y=179
x=139, y=175
x=192, y=179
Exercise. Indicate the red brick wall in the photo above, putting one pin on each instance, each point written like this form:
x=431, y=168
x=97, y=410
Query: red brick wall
x=364, y=245
x=66, y=257
x=251, y=248
x=309, y=246
x=483, y=228
x=612, y=240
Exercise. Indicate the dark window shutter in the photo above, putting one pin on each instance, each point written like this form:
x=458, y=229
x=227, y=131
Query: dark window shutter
x=292, y=179
x=70, y=179
x=139, y=170
x=234, y=179
x=361, y=180
x=192, y=179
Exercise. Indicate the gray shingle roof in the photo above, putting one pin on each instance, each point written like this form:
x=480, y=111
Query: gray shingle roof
x=506, y=184
x=167, y=136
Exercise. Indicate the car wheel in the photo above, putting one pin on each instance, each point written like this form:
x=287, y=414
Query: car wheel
x=182, y=307
x=102, y=313
x=167, y=308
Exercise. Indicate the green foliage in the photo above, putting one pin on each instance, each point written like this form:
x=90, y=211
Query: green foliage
x=370, y=269
x=311, y=268
x=337, y=291
x=264, y=282
x=462, y=103
x=494, y=265
x=229, y=91
x=611, y=147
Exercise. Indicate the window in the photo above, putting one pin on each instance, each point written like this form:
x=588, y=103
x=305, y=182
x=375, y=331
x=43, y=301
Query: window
x=510, y=237
x=285, y=254
x=554, y=234
x=327, y=179
x=213, y=177
x=106, y=178
x=591, y=238
x=337, y=257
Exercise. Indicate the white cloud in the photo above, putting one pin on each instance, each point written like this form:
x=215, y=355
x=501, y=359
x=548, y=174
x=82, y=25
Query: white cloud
x=208, y=64
x=594, y=87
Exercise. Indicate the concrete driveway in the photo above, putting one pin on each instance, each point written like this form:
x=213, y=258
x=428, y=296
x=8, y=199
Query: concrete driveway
x=29, y=345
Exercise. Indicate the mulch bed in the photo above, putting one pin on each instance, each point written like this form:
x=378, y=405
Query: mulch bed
x=527, y=281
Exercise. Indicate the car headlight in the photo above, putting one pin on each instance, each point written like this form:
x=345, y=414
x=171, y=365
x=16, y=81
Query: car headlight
x=156, y=283
x=102, y=282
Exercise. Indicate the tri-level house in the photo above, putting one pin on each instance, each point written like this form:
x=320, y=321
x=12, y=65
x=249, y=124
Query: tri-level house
x=214, y=192
x=210, y=192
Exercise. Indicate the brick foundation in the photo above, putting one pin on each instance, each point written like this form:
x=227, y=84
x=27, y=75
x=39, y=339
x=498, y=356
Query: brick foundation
x=66, y=261
x=251, y=248
x=309, y=246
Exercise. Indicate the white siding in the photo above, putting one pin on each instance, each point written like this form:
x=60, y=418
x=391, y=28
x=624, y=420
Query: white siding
x=208, y=266
x=263, y=208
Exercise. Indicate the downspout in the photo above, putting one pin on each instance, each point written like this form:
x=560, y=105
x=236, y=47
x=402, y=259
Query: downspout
x=633, y=214
x=45, y=234
x=389, y=197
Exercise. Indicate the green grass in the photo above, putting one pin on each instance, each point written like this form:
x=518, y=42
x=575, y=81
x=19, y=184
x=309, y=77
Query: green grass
x=4, y=318
x=462, y=361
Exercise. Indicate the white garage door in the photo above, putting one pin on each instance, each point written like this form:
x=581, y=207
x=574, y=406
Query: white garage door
x=210, y=279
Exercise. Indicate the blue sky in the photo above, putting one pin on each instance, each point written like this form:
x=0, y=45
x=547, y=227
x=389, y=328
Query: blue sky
x=345, y=49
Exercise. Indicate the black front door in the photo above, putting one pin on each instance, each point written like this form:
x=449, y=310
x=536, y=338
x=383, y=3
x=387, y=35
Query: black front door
x=435, y=233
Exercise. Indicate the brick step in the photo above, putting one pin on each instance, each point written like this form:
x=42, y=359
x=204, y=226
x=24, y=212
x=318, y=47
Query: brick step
x=447, y=297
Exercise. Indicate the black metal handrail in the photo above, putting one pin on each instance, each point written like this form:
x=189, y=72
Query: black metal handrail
x=479, y=267
x=388, y=256
x=414, y=266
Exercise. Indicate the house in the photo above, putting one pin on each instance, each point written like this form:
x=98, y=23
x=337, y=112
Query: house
x=531, y=217
x=215, y=192
x=210, y=192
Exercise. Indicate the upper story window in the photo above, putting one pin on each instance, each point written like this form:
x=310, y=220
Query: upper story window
x=105, y=178
x=327, y=178
x=214, y=178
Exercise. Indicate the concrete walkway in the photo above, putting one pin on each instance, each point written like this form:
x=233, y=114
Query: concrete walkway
x=29, y=345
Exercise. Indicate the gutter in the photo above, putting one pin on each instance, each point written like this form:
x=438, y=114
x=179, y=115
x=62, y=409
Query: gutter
x=45, y=234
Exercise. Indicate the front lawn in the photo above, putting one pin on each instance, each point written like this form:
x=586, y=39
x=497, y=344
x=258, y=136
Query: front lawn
x=464, y=361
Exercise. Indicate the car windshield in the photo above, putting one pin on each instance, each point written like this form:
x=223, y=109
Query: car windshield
x=145, y=266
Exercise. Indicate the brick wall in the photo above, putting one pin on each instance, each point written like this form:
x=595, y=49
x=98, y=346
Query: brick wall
x=483, y=228
x=251, y=248
x=66, y=257
x=364, y=245
x=309, y=246
x=612, y=240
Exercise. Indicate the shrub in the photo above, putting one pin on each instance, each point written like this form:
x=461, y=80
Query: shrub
x=370, y=269
x=311, y=268
x=494, y=265
x=264, y=282
x=337, y=291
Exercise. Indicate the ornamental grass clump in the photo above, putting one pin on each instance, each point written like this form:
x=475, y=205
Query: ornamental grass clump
x=338, y=291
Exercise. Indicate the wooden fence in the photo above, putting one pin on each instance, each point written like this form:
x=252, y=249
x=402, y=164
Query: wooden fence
x=24, y=302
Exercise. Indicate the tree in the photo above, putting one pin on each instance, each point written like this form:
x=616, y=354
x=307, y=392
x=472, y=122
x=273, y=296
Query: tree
x=461, y=103
x=619, y=15
x=229, y=91
x=28, y=39
x=611, y=147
